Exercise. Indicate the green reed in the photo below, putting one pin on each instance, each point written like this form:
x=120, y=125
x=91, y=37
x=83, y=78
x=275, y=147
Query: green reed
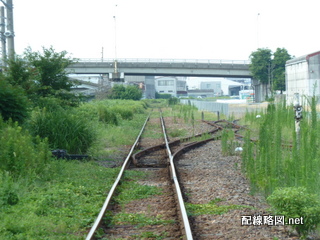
x=278, y=158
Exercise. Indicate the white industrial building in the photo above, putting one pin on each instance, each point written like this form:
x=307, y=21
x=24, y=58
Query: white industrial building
x=219, y=86
x=171, y=85
x=215, y=87
x=303, y=76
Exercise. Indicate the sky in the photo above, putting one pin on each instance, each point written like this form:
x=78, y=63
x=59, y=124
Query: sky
x=167, y=29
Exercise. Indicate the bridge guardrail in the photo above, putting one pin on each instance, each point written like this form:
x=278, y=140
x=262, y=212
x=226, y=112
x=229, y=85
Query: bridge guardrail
x=153, y=60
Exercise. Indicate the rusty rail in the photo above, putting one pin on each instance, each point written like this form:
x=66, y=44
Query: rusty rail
x=185, y=219
x=112, y=190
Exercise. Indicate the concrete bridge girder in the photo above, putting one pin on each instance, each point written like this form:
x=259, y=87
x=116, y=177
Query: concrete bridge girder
x=164, y=69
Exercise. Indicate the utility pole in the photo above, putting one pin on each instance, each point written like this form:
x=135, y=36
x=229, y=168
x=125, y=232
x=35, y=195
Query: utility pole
x=102, y=55
x=9, y=33
x=270, y=77
x=116, y=76
x=3, y=37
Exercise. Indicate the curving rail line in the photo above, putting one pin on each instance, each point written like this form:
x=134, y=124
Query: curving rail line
x=184, y=218
x=186, y=229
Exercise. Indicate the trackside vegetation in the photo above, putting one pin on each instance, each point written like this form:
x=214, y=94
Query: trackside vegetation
x=46, y=198
x=42, y=197
x=282, y=165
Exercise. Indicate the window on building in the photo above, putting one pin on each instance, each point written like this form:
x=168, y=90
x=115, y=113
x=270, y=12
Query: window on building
x=170, y=83
x=161, y=83
x=165, y=83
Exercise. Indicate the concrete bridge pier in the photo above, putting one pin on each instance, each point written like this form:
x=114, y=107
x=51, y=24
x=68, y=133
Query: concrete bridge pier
x=150, y=90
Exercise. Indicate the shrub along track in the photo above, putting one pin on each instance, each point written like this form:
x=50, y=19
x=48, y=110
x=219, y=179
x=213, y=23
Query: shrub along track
x=206, y=176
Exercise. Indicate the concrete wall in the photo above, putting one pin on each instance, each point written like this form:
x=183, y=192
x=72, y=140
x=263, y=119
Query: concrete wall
x=260, y=91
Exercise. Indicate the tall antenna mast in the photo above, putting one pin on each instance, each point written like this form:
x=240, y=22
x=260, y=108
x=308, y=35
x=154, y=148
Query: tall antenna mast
x=116, y=76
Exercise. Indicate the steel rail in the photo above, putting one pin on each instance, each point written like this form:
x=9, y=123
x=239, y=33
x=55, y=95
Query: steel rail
x=183, y=211
x=171, y=144
x=112, y=190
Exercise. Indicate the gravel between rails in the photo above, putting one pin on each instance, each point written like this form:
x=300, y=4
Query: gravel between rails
x=206, y=175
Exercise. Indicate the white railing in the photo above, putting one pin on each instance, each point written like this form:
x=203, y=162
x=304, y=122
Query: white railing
x=154, y=60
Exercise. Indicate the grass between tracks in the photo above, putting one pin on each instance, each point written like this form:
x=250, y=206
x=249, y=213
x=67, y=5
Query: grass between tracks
x=211, y=208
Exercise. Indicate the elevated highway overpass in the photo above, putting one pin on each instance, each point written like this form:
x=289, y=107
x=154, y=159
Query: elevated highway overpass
x=164, y=67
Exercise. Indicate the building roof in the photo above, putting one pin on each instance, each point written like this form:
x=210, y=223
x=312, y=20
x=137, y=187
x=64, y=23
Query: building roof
x=302, y=58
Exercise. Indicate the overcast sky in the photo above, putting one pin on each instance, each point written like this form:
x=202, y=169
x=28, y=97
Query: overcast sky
x=179, y=29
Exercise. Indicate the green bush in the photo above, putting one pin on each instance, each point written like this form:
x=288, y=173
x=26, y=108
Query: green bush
x=21, y=154
x=64, y=130
x=48, y=102
x=173, y=101
x=13, y=102
x=8, y=190
x=107, y=115
x=126, y=112
x=163, y=95
x=296, y=202
x=129, y=92
x=61, y=100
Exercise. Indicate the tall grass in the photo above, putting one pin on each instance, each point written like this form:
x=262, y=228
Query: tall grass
x=111, y=111
x=63, y=129
x=285, y=166
x=276, y=160
x=44, y=198
x=21, y=154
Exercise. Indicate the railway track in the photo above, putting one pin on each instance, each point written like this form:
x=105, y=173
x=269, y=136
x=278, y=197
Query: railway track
x=155, y=159
x=163, y=215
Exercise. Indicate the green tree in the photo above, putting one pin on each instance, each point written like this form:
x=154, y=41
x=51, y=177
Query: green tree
x=130, y=92
x=18, y=73
x=13, y=102
x=280, y=57
x=269, y=68
x=260, y=63
x=117, y=91
x=49, y=70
